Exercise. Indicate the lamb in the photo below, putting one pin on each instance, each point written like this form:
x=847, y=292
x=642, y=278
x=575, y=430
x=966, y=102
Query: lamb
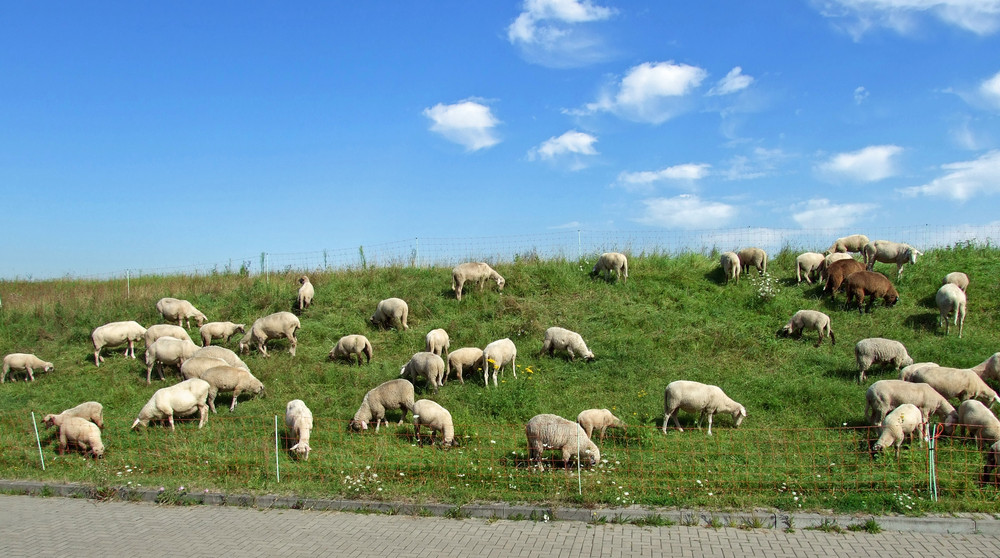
x=730, y=263
x=219, y=330
x=598, y=419
x=499, y=353
x=885, y=395
x=992, y=464
x=438, y=342
x=229, y=378
x=91, y=410
x=611, y=262
x=886, y=251
x=24, y=361
x=437, y=418
x=979, y=422
x=548, y=431
x=391, y=312
x=181, y=311
x=83, y=434
x=194, y=367
x=874, y=350
x=873, y=285
x=809, y=319
x=905, y=420
x=156, y=331
x=394, y=394
x=559, y=339
x=951, y=299
x=185, y=398
x=475, y=272
x=695, y=397
x=306, y=293
x=809, y=263
x=753, y=257
x=225, y=354
x=837, y=272
x=115, y=334
x=958, y=279
x=466, y=358
x=272, y=326
x=168, y=351
x=426, y=364
x=299, y=421
x=348, y=345
x=960, y=383
x=852, y=243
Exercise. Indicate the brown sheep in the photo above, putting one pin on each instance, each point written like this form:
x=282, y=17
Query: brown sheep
x=837, y=272
x=871, y=284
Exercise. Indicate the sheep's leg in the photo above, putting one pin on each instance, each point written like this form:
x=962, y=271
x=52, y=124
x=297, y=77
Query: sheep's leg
x=709, y=424
x=202, y=415
x=31, y=375
x=170, y=420
x=262, y=349
x=236, y=393
x=513, y=365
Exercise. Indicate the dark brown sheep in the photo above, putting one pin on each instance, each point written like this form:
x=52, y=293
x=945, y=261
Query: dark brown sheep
x=837, y=272
x=871, y=284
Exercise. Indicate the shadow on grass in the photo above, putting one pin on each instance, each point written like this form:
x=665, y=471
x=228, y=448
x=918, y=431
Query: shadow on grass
x=923, y=322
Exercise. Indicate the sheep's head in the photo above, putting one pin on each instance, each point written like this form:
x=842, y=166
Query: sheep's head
x=357, y=425
x=244, y=347
x=138, y=421
x=98, y=451
x=500, y=282
x=49, y=367
x=593, y=454
x=739, y=415
x=242, y=328
x=785, y=331
x=589, y=357
x=49, y=420
x=301, y=450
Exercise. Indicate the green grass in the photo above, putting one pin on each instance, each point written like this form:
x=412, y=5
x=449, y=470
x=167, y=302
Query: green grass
x=802, y=447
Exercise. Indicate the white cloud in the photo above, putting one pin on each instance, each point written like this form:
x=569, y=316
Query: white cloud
x=643, y=180
x=570, y=146
x=761, y=162
x=964, y=180
x=467, y=123
x=871, y=164
x=734, y=81
x=548, y=32
x=990, y=90
x=820, y=213
x=686, y=211
x=650, y=92
x=981, y=17
x=860, y=94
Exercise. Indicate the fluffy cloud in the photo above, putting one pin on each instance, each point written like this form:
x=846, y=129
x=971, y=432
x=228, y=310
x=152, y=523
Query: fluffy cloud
x=990, y=90
x=734, y=81
x=981, y=17
x=820, y=213
x=871, y=164
x=570, y=147
x=685, y=212
x=467, y=123
x=964, y=180
x=650, y=92
x=644, y=180
x=548, y=32
x=860, y=94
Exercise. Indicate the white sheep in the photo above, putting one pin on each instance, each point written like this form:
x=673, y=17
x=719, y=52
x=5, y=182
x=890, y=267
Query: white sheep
x=394, y=394
x=695, y=397
x=731, y=267
x=306, y=293
x=391, y=312
x=754, y=257
x=908, y=371
x=809, y=263
x=950, y=299
x=180, y=311
x=437, y=418
x=904, y=421
x=438, y=342
x=611, y=262
x=499, y=353
x=885, y=395
x=299, y=421
x=989, y=369
x=875, y=350
x=559, y=339
x=83, y=434
x=115, y=334
x=273, y=326
x=460, y=360
x=91, y=410
x=195, y=366
x=474, y=272
x=547, y=431
x=230, y=378
x=979, y=422
x=598, y=419
x=809, y=319
x=24, y=361
x=219, y=330
x=426, y=364
x=960, y=383
x=185, y=398
x=958, y=279
x=852, y=243
x=992, y=465
x=231, y=358
x=352, y=345
x=886, y=251
x=156, y=331
x=170, y=352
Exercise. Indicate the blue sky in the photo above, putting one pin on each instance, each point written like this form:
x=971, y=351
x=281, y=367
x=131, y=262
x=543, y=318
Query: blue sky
x=146, y=135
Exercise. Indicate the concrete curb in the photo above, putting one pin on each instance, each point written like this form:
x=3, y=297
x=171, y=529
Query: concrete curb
x=757, y=519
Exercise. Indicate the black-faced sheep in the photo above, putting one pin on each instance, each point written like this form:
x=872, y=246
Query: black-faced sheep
x=547, y=431
x=115, y=334
x=886, y=251
x=560, y=339
x=808, y=319
x=24, y=361
x=753, y=257
x=474, y=272
x=273, y=326
x=180, y=311
x=611, y=262
x=837, y=272
x=350, y=346
x=951, y=300
x=695, y=397
x=391, y=312
x=872, y=285
x=394, y=394
x=877, y=350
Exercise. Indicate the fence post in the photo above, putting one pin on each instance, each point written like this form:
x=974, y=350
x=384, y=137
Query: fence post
x=579, y=457
x=38, y=440
x=932, y=469
x=416, y=252
x=277, y=468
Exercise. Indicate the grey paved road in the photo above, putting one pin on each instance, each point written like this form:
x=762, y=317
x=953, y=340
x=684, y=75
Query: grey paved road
x=34, y=526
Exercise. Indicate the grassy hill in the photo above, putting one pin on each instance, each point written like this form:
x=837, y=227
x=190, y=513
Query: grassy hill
x=803, y=444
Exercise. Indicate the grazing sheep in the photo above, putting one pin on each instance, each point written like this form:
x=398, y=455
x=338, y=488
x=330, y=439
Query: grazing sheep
x=960, y=383
x=886, y=251
x=559, y=339
x=598, y=419
x=460, y=360
x=299, y=421
x=272, y=326
x=904, y=421
x=428, y=365
x=394, y=394
x=230, y=378
x=437, y=418
x=168, y=351
x=950, y=299
x=475, y=272
x=837, y=272
x=499, y=353
x=873, y=285
x=885, y=395
x=992, y=466
x=908, y=371
x=852, y=243
x=730, y=263
x=83, y=434
x=185, y=398
x=829, y=260
x=809, y=263
x=438, y=342
x=695, y=397
x=548, y=431
x=24, y=361
x=91, y=410
x=874, y=350
x=181, y=311
x=808, y=319
x=115, y=334
x=958, y=279
x=156, y=331
x=352, y=345
x=194, y=367
x=611, y=262
x=306, y=293
x=219, y=330
x=989, y=369
x=225, y=354
x=753, y=257
x=979, y=422
x=391, y=312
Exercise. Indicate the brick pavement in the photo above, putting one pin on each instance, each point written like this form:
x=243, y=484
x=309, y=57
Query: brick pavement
x=36, y=526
